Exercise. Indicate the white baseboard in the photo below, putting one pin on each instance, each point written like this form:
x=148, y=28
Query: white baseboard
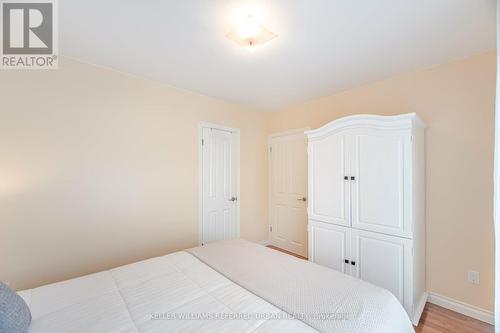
x=264, y=242
x=463, y=308
x=419, y=308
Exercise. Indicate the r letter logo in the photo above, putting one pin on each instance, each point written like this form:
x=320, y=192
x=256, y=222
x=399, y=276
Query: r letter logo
x=29, y=34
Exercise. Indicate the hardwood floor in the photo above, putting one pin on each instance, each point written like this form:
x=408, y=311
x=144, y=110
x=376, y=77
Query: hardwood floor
x=436, y=319
x=287, y=252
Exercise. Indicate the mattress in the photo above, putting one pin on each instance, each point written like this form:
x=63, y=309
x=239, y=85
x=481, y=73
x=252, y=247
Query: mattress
x=181, y=293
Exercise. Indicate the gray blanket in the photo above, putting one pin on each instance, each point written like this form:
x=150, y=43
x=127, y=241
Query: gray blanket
x=325, y=299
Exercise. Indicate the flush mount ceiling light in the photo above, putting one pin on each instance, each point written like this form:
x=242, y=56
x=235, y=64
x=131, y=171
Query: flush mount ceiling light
x=249, y=32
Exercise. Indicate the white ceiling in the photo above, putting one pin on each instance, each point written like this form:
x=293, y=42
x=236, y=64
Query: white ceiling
x=323, y=46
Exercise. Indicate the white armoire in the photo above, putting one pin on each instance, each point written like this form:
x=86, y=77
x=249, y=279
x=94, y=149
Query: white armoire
x=366, y=206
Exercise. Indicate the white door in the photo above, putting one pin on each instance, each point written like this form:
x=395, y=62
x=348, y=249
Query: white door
x=381, y=175
x=330, y=246
x=384, y=261
x=220, y=202
x=329, y=182
x=288, y=192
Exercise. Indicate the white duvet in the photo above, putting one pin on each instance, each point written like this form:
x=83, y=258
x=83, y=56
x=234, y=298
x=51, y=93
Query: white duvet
x=131, y=298
x=173, y=293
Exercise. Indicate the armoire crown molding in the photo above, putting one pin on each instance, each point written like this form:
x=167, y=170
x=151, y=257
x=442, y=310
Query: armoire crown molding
x=407, y=120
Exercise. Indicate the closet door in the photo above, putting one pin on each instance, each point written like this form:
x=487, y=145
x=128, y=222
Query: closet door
x=384, y=261
x=288, y=192
x=381, y=166
x=329, y=245
x=329, y=191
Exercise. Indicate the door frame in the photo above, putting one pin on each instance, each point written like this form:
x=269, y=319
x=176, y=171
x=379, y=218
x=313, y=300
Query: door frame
x=236, y=133
x=269, y=173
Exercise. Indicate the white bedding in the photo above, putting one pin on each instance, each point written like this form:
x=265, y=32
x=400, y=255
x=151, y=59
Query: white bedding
x=123, y=300
x=156, y=295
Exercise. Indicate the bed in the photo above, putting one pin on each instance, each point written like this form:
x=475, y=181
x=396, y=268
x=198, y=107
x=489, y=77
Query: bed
x=228, y=286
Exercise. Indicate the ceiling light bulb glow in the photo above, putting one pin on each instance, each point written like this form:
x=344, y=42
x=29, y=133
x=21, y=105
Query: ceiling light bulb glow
x=248, y=29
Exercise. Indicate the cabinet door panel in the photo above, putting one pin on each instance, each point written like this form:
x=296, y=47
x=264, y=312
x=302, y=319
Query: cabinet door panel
x=382, y=169
x=329, y=245
x=384, y=261
x=328, y=190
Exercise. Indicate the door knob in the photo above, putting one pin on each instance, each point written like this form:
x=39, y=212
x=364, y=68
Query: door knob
x=302, y=199
x=233, y=199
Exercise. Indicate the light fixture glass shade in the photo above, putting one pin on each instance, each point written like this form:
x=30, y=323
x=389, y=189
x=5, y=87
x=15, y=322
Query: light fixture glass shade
x=250, y=33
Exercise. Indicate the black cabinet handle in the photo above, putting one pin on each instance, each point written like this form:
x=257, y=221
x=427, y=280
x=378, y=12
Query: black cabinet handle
x=353, y=263
x=346, y=261
x=346, y=178
x=353, y=178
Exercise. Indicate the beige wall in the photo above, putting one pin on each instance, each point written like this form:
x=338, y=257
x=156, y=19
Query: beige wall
x=99, y=169
x=457, y=102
